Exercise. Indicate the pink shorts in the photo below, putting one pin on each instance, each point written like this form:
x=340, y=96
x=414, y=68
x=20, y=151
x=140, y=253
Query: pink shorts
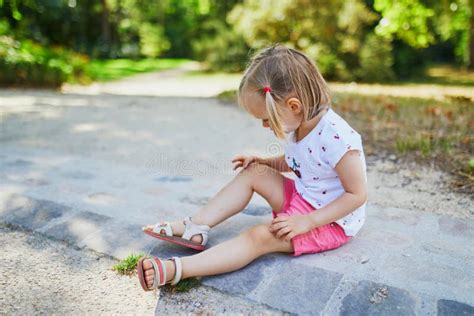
x=319, y=239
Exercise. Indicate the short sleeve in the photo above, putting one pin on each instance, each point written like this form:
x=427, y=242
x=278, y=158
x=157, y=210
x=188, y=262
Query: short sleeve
x=338, y=141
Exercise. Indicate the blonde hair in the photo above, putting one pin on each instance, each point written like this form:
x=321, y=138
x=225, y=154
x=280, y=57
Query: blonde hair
x=287, y=72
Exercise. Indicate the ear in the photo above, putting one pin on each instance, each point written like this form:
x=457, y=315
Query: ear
x=294, y=105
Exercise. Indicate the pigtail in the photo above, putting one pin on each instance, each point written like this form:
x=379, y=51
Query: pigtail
x=275, y=119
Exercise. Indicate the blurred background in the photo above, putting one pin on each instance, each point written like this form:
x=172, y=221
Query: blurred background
x=404, y=68
x=48, y=42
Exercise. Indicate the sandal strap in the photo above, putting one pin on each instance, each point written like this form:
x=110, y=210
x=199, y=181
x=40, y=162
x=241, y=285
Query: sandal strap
x=163, y=225
x=159, y=270
x=192, y=229
x=178, y=269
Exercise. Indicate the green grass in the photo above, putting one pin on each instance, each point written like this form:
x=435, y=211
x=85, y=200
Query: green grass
x=186, y=284
x=113, y=69
x=127, y=266
x=427, y=131
x=449, y=75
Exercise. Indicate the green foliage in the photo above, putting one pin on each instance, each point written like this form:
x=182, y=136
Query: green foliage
x=152, y=40
x=408, y=61
x=376, y=60
x=407, y=19
x=423, y=23
x=222, y=50
x=337, y=34
x=127, y=266
x=329, y=31
x=28, y=63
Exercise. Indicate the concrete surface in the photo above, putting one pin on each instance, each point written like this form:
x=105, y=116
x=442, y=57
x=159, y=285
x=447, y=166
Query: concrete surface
x=92, y=170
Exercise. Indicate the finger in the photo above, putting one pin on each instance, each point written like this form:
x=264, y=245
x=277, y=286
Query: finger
x=274, y=228
x=238, y=165
x=280, y=225
x=278, y=219
x=283, y=231
x=239, y=157
x=251, y=162
x=290, y=236
x=247, y=162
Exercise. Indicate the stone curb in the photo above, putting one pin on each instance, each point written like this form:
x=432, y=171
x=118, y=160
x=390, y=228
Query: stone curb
x=306, y=290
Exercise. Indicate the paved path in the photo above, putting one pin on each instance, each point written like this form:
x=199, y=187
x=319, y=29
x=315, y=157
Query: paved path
x=92, y=170
x=173, y=82
x=178, y=82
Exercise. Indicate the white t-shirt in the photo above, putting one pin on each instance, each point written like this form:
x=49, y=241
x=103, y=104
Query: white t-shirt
x=313, y=160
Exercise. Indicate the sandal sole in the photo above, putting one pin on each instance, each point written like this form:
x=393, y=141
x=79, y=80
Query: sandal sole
x=175, y=240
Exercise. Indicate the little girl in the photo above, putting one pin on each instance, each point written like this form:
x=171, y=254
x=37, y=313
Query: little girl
x=320, y=210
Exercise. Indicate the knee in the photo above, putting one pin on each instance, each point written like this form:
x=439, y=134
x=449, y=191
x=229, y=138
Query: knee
x=254, y=171
x=260, y=234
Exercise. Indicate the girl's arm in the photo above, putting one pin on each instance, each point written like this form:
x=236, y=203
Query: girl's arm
x=350, y=172
x=278, y=163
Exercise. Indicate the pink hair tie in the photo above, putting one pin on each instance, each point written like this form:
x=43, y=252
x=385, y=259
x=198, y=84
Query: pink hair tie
x=267, y=89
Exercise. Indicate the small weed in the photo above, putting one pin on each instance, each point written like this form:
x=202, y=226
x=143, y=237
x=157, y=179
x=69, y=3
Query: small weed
x=186, y=284
x=127, y=266
x=423, y=146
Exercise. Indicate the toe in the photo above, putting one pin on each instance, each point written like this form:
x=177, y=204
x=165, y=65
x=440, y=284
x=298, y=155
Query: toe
x=149, y=272
x=197, y=239
x=147, y=264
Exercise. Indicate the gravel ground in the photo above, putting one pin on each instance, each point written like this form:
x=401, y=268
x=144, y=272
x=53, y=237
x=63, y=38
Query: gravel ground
x=410, y=186
x=43, y=276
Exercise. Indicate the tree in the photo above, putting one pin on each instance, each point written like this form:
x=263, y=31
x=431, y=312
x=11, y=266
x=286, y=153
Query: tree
x=423, y=23
x=332, y=32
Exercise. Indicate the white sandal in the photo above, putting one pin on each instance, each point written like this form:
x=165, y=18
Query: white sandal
x=159, y=272
x=163, y=231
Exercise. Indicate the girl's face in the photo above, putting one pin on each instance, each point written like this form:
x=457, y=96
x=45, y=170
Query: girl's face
x=291, y=111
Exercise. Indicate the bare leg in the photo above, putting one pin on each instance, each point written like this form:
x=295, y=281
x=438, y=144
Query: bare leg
x=233, y=197
x=246, y=247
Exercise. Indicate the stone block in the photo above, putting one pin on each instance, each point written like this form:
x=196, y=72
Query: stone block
x=370, y=298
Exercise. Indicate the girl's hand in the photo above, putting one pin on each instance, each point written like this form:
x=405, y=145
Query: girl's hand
x=287, y=227
x=244, y=161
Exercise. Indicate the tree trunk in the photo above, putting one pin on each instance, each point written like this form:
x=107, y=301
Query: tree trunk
x=105, y=49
